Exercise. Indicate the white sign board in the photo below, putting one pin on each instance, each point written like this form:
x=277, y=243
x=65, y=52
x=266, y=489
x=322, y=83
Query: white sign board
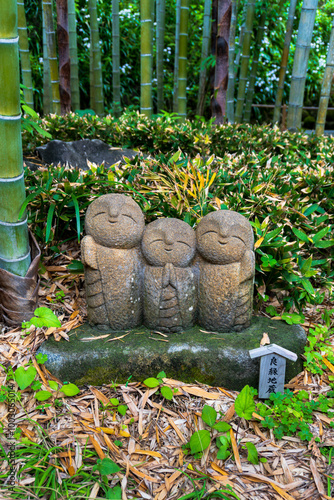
x=272, y=368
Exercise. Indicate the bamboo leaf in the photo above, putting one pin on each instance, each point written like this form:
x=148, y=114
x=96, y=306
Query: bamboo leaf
x=49, y=221
x=77, y=214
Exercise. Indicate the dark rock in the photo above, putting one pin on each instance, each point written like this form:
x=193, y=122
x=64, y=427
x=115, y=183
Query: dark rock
x=77, y=153
x=219, y=360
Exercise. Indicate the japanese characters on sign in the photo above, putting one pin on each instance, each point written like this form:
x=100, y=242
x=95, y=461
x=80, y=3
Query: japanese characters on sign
x=272, y=368
x=272, y=374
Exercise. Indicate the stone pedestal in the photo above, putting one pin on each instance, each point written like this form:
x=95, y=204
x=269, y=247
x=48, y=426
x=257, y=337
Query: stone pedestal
x=217, y=359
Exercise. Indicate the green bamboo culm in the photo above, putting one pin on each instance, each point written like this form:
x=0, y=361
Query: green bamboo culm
x=72, y=28
x=284, y=61
x=326, y=86
x=176, y=54
x=91, y=74
x=245, y=55
x=52, y=54
x=160, y=53
x=14, y=240
x=47, y=91
x=116, y=78
x=255, y=63
x=153, y=31
x=204, y=56
x=241, y=34
x=182, y=79
x=146, y=58
x=231, y=67
x=25, y=55
x=300, y=63
x=96, y=86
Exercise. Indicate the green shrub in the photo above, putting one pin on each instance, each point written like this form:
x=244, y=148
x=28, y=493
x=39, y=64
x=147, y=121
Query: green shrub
x=283, y=183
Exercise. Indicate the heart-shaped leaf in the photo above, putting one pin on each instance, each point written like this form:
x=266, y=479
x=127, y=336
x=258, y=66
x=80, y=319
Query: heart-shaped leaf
x=223, y=453
x=114, y=493
x=25, y=377
x=106, y=466
x=45, y=317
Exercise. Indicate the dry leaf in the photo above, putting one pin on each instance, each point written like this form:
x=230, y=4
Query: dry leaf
x=265, y=339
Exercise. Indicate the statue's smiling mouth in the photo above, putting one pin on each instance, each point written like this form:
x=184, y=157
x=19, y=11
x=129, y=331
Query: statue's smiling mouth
x=224, y=242
x=113, y=221
x=168, y=249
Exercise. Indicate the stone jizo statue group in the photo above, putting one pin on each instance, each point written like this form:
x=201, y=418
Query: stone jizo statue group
x=166, y=275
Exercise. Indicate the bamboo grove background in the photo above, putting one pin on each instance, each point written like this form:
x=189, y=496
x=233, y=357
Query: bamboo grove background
x=263, y=31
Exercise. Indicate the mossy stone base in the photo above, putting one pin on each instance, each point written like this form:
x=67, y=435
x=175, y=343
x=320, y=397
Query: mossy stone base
x=220, y=359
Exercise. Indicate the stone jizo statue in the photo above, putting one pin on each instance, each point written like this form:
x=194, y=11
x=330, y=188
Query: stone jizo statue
x=226, y=271
x=113, y=264
x=165, y=275
x=170, y=297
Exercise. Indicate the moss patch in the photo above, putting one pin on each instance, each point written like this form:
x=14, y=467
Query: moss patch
x=219, y=359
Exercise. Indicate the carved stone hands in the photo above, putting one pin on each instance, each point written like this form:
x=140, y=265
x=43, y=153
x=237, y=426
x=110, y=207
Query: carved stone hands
x=168, y=276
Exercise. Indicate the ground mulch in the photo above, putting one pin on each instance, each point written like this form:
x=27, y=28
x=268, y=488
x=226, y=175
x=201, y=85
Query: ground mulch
x=151, y=434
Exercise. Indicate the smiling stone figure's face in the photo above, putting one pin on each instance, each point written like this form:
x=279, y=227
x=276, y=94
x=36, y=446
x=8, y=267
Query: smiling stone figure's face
x=168, y=241
x=224, y=236
x=115, y=221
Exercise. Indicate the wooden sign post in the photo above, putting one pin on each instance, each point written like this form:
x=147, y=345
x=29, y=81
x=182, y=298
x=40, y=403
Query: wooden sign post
x=272, y=368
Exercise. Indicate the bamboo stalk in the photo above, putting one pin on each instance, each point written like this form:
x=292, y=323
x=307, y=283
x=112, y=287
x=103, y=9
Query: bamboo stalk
x=182, y=79
x=152, y=36
x=176, y=56
x=47, y=91
x=72, y=28
x=231, y=67
x=97, y=83
x=204, y=56
x=245, y=60
x=14, y=243
x=91, y=74
x=221, y=68
x=300, y=63
x=214, y=34
x=64, y=57
x=25, y=56
x=52, y=54
x=116, y=78
x=146, y=58
x=326, y=86
x=241, y=35
x=284, y=61
x=160, y=53
x=255, y=63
